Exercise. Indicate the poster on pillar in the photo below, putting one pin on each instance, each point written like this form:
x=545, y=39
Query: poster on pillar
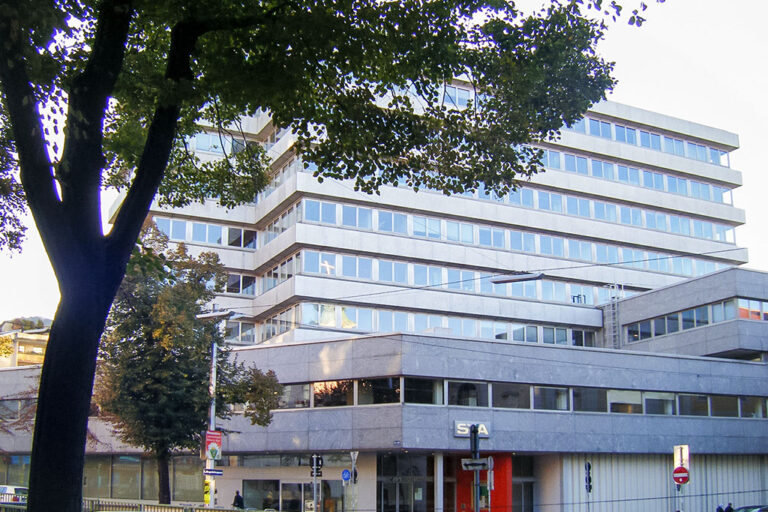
x=212, y=444
x=484, y=504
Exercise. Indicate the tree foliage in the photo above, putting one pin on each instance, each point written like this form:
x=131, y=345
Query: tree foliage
x=153, y=379
x=6, y=346
x=107, y=92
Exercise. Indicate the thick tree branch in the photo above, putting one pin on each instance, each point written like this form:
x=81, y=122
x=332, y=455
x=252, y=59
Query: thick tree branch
x=88, y=97
x=157, y=148
x=233, y=23
x=20, y=102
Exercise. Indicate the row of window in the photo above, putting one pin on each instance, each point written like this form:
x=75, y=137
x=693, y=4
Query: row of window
x=205, y=233
x=650, y=140
x=460, y=232
x=121, y=476
x=362, y=218
x=748, y=309
x=507, y=395
x=466, y=233
x=634, y=176
x=437, y=277
x=371, y=320
x=621, y=214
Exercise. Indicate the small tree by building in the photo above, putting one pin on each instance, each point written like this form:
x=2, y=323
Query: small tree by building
x=153, y=376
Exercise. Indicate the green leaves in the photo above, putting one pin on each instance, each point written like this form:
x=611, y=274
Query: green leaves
x=156, y=354
x=12, y=198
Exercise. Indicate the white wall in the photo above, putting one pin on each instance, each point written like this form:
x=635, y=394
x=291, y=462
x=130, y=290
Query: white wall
x=639, y=483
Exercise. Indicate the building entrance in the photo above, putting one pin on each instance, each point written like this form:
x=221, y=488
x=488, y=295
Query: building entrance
x=405, y=484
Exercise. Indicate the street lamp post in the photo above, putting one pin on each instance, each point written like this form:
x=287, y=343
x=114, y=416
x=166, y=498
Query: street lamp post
x=210, y=463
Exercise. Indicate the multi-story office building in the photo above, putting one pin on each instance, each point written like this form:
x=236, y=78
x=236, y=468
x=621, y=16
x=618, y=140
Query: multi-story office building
x=630, y=200
x=386, y=321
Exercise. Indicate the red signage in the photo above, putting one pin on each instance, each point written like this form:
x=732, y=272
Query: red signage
x=680, y=475
x=213, y=444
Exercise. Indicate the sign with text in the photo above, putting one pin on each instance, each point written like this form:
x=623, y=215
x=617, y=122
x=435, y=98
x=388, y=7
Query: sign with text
x=481, y=464
x=213, y=444
x=461, y=428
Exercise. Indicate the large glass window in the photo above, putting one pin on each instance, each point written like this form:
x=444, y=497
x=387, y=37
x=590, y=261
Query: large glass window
x=673, y=322
x=149, y=481
x=294, y=396
x=553, y=399
x=702, y=316
x=187, y=479
x=590, y=400
x=423, y=391
x=693, y=405
x=126, y=470
x=688, y=319
x=378, y=391
x=511, y=396
x=470, y=394
x=97, y=476
x=333, y=393
x=724, y=406
x=625, y=402
x=291, y=497
x=659, y=403
x=753, y=407
x=261, y=494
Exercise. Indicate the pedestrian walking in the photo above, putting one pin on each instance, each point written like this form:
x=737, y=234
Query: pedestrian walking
x=238, y=501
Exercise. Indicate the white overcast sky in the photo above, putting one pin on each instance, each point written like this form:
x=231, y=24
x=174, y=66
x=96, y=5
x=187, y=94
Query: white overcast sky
x=700, y=60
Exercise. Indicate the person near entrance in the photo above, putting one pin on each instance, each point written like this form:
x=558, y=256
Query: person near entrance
x=238, y=501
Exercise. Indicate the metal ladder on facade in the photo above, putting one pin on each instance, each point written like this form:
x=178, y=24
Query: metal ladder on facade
x=612, y=325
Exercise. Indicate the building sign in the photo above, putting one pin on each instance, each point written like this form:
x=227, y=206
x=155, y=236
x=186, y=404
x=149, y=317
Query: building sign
x=461, y=428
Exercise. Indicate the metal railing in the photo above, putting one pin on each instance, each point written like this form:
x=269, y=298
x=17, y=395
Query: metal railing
x=106, y=505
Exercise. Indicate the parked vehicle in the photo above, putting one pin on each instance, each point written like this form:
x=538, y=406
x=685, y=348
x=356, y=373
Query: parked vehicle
x=13, y=495
x=752, y=508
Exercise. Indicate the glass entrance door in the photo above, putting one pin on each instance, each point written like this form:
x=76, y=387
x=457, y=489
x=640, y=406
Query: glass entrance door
x=522, y=497
x=395, y=496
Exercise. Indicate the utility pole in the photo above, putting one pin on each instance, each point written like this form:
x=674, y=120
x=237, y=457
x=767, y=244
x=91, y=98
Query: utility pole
x=474, y=447
x=210, y=461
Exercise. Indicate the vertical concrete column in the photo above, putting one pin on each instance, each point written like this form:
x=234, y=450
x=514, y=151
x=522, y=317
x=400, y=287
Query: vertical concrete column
x=439, y=486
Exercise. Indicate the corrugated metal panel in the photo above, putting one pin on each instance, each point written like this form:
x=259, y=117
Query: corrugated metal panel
x=639, y=483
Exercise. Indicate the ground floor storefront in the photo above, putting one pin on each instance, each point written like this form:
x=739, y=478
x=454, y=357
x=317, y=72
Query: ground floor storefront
x=433, y=482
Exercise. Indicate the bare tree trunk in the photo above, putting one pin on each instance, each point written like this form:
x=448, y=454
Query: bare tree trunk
x=163, y=478
x=66, y=384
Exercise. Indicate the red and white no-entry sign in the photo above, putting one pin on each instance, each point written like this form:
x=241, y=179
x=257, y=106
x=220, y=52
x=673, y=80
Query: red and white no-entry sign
x=680, y=475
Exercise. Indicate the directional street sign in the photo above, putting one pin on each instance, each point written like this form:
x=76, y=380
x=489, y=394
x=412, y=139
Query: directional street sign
x=474, y=464
x=213, y=472
x=680, y=475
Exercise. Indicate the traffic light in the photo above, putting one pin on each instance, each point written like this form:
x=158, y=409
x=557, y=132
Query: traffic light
x=354, y=475
x=588, y=477
x=474, y=442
